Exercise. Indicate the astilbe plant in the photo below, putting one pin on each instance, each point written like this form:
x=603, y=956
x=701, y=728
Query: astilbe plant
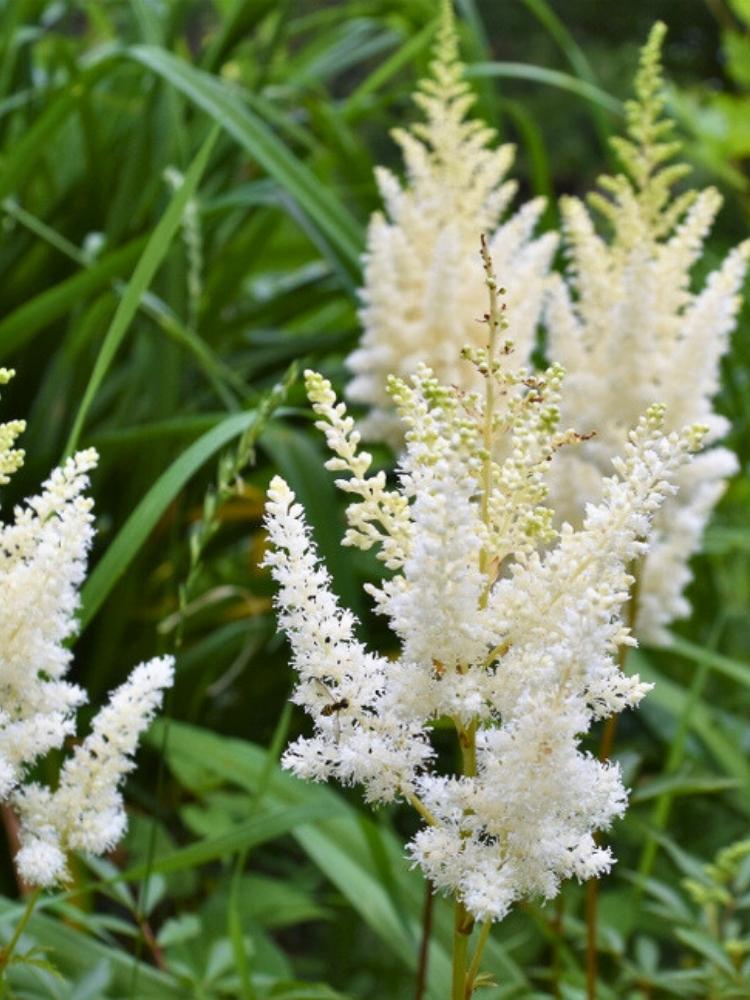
x=43, y=554
x=508, y=628
x=421, y=277
x=629, y=329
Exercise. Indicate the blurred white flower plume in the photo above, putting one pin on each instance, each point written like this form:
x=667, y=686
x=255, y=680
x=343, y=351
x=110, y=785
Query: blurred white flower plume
x=630, y=330
x=422, y=280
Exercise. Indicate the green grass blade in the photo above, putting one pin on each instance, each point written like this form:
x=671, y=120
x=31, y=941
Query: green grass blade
x=77, y=952
x=43, y=231
x=722, y=747
x=142, y=521
x=304, y=991
x=224, y=106
x=385, y=71
x=259, y=830
x=549, y=77
x=22, y=325
x=153, y=255
x=735, y=670
x=37, y=140
x=477, y=49
x=574, y=54
x=533, y=143
x=241, y=19
x=572, y=51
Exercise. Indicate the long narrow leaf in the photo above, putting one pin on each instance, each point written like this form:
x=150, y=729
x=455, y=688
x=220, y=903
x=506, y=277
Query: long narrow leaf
x=735, y=670
x=142, y=521
x=223, y=105
x=150, y=260
x=75, y=951
x=549, y=77
x=268, y=825
x=22, y=325
x=671, y=697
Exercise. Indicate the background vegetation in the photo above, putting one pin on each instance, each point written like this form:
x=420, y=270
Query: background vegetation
x=184, y=189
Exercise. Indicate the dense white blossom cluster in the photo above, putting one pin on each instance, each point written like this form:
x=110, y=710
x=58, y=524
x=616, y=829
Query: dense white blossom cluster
x=86, y=811
x=506, y=627
x=630, y=330
x=42, y=565
x=422, y=280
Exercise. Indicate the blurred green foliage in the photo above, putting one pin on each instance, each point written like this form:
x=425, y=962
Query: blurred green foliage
x=184, y=189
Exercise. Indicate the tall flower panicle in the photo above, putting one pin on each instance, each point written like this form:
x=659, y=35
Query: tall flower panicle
x=506, y=626
x=43, y=553
x=630, y=330
x=86, y=810
x=421, y=278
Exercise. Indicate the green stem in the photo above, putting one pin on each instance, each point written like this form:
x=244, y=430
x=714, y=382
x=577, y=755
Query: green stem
x=463, y=924
x=416, y=803
x=462, y=983
x=420, y=985
x=471, y=975
x=6, y=953
x=605, y=752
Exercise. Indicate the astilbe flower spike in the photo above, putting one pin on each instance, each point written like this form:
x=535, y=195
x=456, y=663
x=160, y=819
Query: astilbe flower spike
x=506, y=626
x=629, y=329
x=421, y=276
x=42, y=566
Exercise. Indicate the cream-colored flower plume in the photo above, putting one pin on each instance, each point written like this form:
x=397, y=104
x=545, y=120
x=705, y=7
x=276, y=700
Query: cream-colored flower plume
x=422, y=276
x=630, y=330
x=43, y=553
x=506, y=627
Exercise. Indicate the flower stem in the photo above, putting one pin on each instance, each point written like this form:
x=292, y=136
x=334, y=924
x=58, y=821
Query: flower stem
x=463, y=924
x=471, y=975
x=424, y=947
x=462, y=983
x=492, y=318
x=494, y=321
x=6, y=953
x=421, y=808
x=605, y=752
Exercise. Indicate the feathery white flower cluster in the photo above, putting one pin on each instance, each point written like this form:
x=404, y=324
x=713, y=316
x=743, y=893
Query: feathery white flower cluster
x=421, y=277
x=86, y=811
x=506, y=627
x=630, y=330
x=42, y=565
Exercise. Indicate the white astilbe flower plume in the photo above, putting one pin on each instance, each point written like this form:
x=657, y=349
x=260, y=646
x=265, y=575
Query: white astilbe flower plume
x=86, y=811
x=506, y=627
x=630, y=330
x=422, y=280
x=43, y=553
